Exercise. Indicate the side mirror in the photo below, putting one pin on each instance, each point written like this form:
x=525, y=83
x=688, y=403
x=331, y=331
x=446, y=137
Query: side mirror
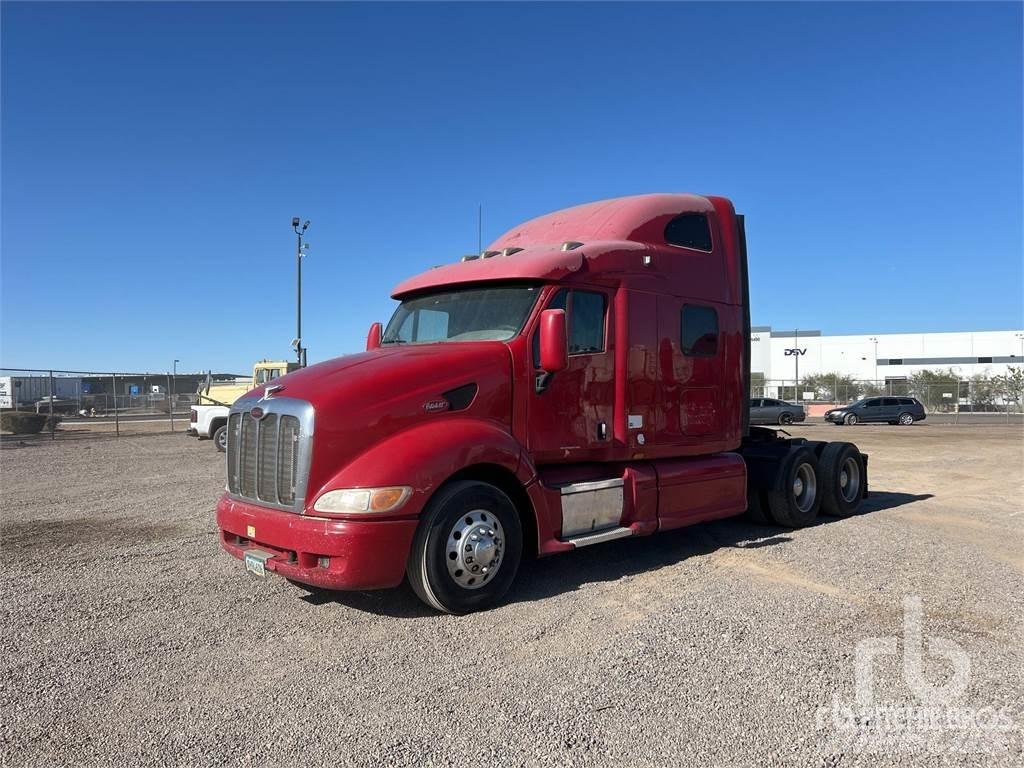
x=373, y=337
x=554, y=344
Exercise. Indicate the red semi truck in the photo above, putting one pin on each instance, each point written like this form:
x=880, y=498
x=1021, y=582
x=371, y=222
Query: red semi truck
x=584, y=379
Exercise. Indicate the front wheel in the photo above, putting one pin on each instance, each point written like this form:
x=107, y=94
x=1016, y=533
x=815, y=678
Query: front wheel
x=906, y=419
x=467, y=548
x=850, y=420
x=220, y=438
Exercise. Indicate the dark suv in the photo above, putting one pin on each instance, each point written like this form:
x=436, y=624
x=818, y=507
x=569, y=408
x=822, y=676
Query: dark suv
x=892, y=410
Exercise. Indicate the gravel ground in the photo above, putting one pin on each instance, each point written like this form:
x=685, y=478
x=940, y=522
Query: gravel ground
x=131, y=638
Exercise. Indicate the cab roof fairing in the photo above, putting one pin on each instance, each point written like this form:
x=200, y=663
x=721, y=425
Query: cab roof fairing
x=607, y=228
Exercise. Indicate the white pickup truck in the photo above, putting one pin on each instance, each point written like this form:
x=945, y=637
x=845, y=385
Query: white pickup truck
x=209, y=417
x=210, y=421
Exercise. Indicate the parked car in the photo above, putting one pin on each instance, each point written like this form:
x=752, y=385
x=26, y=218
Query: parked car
x=891, y=410
x=764, y=410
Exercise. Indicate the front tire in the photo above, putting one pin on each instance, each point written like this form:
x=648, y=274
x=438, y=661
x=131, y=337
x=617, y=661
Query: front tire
x=220, y=438
x=467, y=548
x=850, y=420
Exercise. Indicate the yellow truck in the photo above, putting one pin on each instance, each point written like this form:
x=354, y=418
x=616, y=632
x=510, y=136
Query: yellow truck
x=209, y=416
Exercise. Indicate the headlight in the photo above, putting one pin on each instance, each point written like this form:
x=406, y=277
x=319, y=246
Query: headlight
x=363, y=500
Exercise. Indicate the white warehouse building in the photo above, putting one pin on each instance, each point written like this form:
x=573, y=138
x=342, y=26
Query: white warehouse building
x=785, y=355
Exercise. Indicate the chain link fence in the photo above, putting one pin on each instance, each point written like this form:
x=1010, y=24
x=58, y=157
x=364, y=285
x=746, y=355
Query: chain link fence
x=50, y=404
x=976, y=394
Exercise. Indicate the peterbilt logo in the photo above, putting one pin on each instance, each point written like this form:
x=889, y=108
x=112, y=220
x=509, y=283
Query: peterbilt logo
x=256, y=413
x=796, y=351
x=433, y=406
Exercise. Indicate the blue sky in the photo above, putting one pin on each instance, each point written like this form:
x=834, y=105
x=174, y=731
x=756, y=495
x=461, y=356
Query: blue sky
x=154, y=154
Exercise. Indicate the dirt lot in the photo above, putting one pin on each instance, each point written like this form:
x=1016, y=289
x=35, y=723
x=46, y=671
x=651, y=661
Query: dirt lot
x=129, y=637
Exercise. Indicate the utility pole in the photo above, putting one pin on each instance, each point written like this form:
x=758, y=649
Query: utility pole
x=479, y=229
x=1021, y=337
x=300, y=248
x=170, y=393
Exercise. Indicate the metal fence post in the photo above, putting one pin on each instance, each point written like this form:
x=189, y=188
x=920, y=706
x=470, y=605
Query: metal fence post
x=117, y=421
x=170, y=401
x=53, y=436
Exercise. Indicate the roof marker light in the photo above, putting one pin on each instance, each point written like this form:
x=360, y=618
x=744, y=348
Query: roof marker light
x=571, y=245
x=469, y=257
x=489, y=254
x=510, y=251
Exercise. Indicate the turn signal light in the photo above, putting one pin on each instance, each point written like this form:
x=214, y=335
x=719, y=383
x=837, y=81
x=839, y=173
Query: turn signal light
x=363, y=500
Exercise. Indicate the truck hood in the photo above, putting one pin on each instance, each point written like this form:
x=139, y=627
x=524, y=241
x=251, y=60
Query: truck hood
x=360, y=400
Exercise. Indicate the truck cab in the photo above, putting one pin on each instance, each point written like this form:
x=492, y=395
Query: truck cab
x=208, y=418
x=583, y=379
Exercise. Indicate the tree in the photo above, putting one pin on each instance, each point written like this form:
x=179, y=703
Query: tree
x=834, y=386
x=1010, y=386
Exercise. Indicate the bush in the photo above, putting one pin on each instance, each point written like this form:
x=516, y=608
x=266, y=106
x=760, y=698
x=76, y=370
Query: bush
x=26, y=423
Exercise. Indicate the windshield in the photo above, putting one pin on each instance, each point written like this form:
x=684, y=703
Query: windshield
x=467, y=314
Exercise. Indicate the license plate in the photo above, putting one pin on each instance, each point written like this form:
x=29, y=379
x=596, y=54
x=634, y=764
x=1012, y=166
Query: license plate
x=255, y=565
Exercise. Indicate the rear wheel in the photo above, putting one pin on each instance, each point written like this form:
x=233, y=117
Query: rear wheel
x=850, y=420
x=906, y=419
x=843, y=479
x=220, y=438
x=786, y=419
x=797, y=502
x=467, y=547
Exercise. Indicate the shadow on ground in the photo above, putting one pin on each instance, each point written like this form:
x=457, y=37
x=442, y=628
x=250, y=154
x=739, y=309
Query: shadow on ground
x=611, y=561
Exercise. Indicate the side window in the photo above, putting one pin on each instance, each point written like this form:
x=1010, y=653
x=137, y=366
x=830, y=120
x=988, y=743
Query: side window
x=872, y=403
x=699, y=331
x=755, y=403
x=585, y=313
x=906, y=401
x=690, y=230
x=889, y=401
x=586, y=323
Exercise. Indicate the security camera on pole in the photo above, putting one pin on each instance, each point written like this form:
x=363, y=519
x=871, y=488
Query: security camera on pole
x=300, y=249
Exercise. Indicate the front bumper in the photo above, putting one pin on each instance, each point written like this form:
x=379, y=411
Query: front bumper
x=332, y=554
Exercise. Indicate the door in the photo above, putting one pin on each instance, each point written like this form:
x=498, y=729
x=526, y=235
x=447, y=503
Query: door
x=890, y=408
x=690, y=374
x=771, y=410
x=872, y=410
x=570, y=413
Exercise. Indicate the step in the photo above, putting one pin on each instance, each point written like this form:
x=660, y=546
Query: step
x=609, y=534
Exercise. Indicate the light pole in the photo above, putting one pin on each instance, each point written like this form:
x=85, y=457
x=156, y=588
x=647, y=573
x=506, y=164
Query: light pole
x=874, y=341
x=300, y=352
x=796, y=362
x=1021, y=337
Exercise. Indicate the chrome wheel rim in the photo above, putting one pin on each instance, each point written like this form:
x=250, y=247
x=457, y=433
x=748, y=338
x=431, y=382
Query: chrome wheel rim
x=851, y=419
x=474, y=549
x=906, y=418
x=849, y=479
x=805, y=488
x=222, y=439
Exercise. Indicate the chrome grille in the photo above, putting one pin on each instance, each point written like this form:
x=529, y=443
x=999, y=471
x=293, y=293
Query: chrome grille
x=268, y=458
x=288, y=459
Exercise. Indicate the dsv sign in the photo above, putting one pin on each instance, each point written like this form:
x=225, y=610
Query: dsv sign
x=796, y=351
